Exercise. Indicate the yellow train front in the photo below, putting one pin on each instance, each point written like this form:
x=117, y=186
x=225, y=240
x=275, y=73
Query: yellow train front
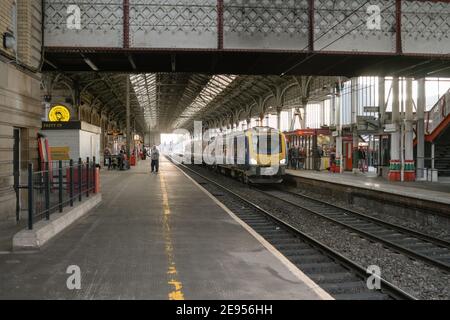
x=261, y=156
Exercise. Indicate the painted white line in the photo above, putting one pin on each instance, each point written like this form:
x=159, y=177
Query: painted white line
x=291, y=267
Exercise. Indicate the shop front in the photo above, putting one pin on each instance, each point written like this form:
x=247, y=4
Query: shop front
x=309, y=149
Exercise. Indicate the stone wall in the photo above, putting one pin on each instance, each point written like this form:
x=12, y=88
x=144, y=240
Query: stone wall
x=20, y=103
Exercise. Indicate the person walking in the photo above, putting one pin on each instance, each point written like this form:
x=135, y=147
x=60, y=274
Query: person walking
x=154, y=156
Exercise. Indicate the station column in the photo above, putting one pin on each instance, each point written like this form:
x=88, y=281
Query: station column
x=420, y=127
x=394, y=164
x=409, y=167
x=354, y=117
x=128, y=115
x=337, y=121
x=279, y=118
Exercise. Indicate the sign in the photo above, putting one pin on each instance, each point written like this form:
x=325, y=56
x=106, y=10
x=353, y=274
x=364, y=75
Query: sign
x=115, y=133
x=390, y=127
x=59, y=113
x=60, y=153
x=371, y=109
x=71, y=125
x=335, y=133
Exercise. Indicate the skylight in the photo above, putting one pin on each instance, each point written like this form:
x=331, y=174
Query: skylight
x=216, y=85
x=145, y=89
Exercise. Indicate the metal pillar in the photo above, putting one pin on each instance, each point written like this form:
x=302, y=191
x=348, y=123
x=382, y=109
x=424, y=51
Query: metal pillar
x=128, y=120
x=433, y=152
x=294, y=115
x=337, y=120
x=394, y=165
x=303, y=118
x=355, y=161
x=332, y=108
x=420, y=132
x=382, y=100
x=354, y=100
x=279, y=119
x=409, y=171
x=354, y=117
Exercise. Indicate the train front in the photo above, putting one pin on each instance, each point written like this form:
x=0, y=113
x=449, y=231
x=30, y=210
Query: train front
x=267, y=155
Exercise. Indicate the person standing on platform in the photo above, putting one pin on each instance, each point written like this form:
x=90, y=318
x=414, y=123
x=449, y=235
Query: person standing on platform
x=295, y=154
x=154, y=156
x=362, y=159
x=317, y=157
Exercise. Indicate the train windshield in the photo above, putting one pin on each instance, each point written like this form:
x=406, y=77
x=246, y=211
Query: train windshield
x=267, y=143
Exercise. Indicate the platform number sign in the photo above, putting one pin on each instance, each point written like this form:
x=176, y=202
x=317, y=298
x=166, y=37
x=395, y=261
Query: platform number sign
x=73, y=17
x=374, y=280
x=374, y=19
x=74, y=280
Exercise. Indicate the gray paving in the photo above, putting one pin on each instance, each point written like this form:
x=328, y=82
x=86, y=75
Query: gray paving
x=141, y=244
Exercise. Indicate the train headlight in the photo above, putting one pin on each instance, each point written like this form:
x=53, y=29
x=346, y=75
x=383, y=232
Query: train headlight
x=283, y=162
x=253, y=162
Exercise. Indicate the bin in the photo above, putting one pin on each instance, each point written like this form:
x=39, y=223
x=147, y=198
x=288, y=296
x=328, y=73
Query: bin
x=97, y=181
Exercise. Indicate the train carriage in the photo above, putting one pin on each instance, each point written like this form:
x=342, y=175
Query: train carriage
x=256, y=155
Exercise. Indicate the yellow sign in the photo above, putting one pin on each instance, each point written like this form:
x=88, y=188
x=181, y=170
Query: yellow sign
x=59, y=113
x=60, y=153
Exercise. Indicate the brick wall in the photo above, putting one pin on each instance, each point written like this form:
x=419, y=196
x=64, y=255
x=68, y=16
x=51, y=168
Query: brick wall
x=20, y=107
x=29, y=30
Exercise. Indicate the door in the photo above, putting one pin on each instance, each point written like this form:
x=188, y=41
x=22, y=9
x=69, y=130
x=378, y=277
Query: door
x=348, y=157
x=16, y=170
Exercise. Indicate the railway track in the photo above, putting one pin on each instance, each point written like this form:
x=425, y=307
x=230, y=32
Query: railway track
x=414, y=244
x=340, y=277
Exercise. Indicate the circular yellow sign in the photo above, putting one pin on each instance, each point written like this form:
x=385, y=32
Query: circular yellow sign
x=59, y=114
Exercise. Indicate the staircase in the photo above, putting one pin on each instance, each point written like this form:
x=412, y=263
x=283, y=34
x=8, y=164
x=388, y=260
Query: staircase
x=442, y=160
x=437, y=131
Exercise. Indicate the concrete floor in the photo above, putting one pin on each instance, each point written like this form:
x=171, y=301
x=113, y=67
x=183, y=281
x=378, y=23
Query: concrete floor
x=154, y=237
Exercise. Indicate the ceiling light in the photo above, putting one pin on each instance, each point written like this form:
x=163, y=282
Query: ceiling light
x=9, y=41
x=89, y=63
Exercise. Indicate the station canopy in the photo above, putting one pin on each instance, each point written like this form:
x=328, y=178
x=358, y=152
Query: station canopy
x=168, y=101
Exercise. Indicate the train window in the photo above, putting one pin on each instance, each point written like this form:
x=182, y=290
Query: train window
x=267, y=143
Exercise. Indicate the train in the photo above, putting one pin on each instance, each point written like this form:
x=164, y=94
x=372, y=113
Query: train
x=257, y=155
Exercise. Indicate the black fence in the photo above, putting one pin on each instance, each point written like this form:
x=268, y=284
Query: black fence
x=58, y=184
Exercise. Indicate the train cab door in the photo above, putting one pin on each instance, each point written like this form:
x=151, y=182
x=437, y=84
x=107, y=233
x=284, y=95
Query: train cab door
x=348, y=155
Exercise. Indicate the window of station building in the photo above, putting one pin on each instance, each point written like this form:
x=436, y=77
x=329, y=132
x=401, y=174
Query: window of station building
x=284, y=121
x=366, y=96
x=318, y=114
x=435, y=88
x=402, y=94
x=346, y=104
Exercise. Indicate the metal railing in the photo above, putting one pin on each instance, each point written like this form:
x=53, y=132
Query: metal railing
x=57, y=185
x=438, y=113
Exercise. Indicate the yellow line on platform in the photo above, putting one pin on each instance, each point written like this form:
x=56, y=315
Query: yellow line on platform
x=174, y=283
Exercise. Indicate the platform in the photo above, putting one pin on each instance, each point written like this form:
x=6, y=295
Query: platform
x=434, y=192
x=155, y=237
